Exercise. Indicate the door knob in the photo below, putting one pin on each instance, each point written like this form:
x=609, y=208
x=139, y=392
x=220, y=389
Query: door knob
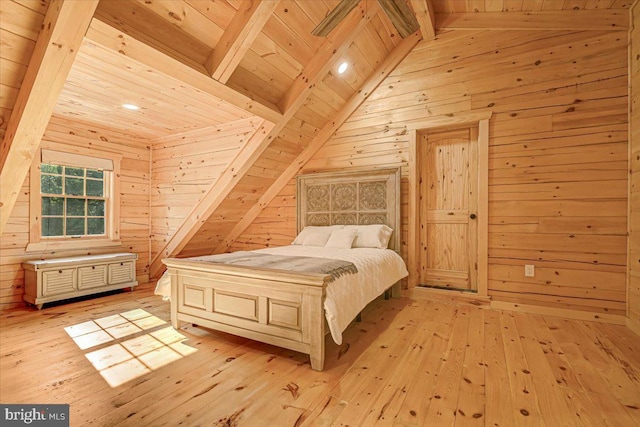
x=472, y=216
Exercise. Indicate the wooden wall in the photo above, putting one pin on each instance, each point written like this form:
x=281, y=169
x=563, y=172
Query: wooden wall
x=134, y=206
x=633, y=292
x=184, y=167
x=557, y=160
x=21, y=24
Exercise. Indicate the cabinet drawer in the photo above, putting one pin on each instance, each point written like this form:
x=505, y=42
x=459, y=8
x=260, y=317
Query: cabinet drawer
x=92, y=276
x=121, y=272
x=58, y=281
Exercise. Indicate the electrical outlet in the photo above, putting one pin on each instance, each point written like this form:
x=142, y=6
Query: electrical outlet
x=529, y=270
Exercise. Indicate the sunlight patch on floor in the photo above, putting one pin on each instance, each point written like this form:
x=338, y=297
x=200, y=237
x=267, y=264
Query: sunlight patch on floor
x=131, y=344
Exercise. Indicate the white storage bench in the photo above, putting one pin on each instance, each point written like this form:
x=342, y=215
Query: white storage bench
x=63, y=278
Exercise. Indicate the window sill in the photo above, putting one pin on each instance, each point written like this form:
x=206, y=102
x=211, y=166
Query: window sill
x=59, y=245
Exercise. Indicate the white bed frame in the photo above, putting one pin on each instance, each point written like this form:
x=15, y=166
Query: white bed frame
x=285, y=308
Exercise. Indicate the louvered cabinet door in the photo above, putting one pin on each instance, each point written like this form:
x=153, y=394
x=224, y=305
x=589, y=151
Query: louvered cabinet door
x=121, y=272
x=92, y=276
x=58, y=281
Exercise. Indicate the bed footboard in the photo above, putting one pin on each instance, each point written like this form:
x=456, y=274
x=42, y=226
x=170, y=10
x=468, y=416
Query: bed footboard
x=285, y=309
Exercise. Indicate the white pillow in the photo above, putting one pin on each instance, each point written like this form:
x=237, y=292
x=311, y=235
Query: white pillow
x=371, y=236
x=341, y=238
x=313, y=235
x=315, y=238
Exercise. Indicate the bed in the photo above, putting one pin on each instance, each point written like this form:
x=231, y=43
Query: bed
x=344, y=256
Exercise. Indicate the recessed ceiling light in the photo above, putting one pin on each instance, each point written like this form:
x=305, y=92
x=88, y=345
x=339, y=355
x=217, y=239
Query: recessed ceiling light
x=343, y=67
x=131, y=107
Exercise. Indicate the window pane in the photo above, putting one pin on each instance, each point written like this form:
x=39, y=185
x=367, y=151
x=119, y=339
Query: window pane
x=52, y=226
x=74, y=171
x=95, y=225
x=75, y=226
x=74, y=186
x=94, y=173
x=76, y=207
x=52, y=206
x=95, y=207
x=51, y=184
x=95, y=188
x=51, y=169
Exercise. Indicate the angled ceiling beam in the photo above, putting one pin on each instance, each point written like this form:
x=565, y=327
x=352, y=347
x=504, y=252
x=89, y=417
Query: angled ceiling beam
x=590, y=19
x=401, y=16
x=63, y=29
x=335, y=16
x=336, y=45
x=214, y=196
x=104, y=35
x=426, y=16
x=238, y=37
x=375, y=79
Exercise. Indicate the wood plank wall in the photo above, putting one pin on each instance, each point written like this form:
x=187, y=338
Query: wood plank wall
x=633, y=291
x=134, y=206
x=276, y=158
x=557, y=161
x=21, y=24
x=184, y=167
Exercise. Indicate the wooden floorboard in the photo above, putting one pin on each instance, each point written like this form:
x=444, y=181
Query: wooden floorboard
x=117, y=362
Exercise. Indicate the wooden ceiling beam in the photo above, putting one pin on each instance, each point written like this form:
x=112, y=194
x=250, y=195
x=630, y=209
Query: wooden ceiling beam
x=336, y=45
x=103, y=34
x=426, y=16
x=63, y=30
x=375, y=79
x=401, y=16
x=335, y=16
x=245, y=26
x=569, y=20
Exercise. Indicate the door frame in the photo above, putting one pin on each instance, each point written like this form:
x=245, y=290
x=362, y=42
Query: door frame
x=434, y=124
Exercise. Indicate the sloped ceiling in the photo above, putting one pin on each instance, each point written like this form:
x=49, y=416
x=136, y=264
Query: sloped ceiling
x=193, y=64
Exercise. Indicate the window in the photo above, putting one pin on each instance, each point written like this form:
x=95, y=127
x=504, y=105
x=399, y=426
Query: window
x=73, y=197
x=73, y=201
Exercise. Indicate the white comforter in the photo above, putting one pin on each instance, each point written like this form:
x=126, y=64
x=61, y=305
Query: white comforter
x=378, y=269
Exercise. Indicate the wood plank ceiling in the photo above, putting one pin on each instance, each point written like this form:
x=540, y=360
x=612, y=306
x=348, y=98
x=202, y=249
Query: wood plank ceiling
x=194, y=64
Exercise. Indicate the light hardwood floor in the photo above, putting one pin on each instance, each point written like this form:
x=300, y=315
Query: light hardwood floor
x=116, y=361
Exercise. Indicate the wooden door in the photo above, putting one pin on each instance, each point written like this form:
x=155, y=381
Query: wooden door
x=448, y=208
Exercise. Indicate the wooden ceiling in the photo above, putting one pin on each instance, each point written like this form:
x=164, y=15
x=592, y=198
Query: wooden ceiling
x=268, y=48
x=193, y=64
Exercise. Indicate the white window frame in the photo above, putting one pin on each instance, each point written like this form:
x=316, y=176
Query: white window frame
x=76, y=157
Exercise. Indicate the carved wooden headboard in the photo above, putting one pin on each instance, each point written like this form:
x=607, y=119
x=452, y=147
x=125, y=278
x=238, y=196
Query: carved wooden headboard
x=369, y=197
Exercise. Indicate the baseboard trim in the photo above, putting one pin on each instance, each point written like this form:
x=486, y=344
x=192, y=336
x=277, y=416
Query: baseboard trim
x=447, y=295
x=469, y=298
x=634, y=325
x=561, y=312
